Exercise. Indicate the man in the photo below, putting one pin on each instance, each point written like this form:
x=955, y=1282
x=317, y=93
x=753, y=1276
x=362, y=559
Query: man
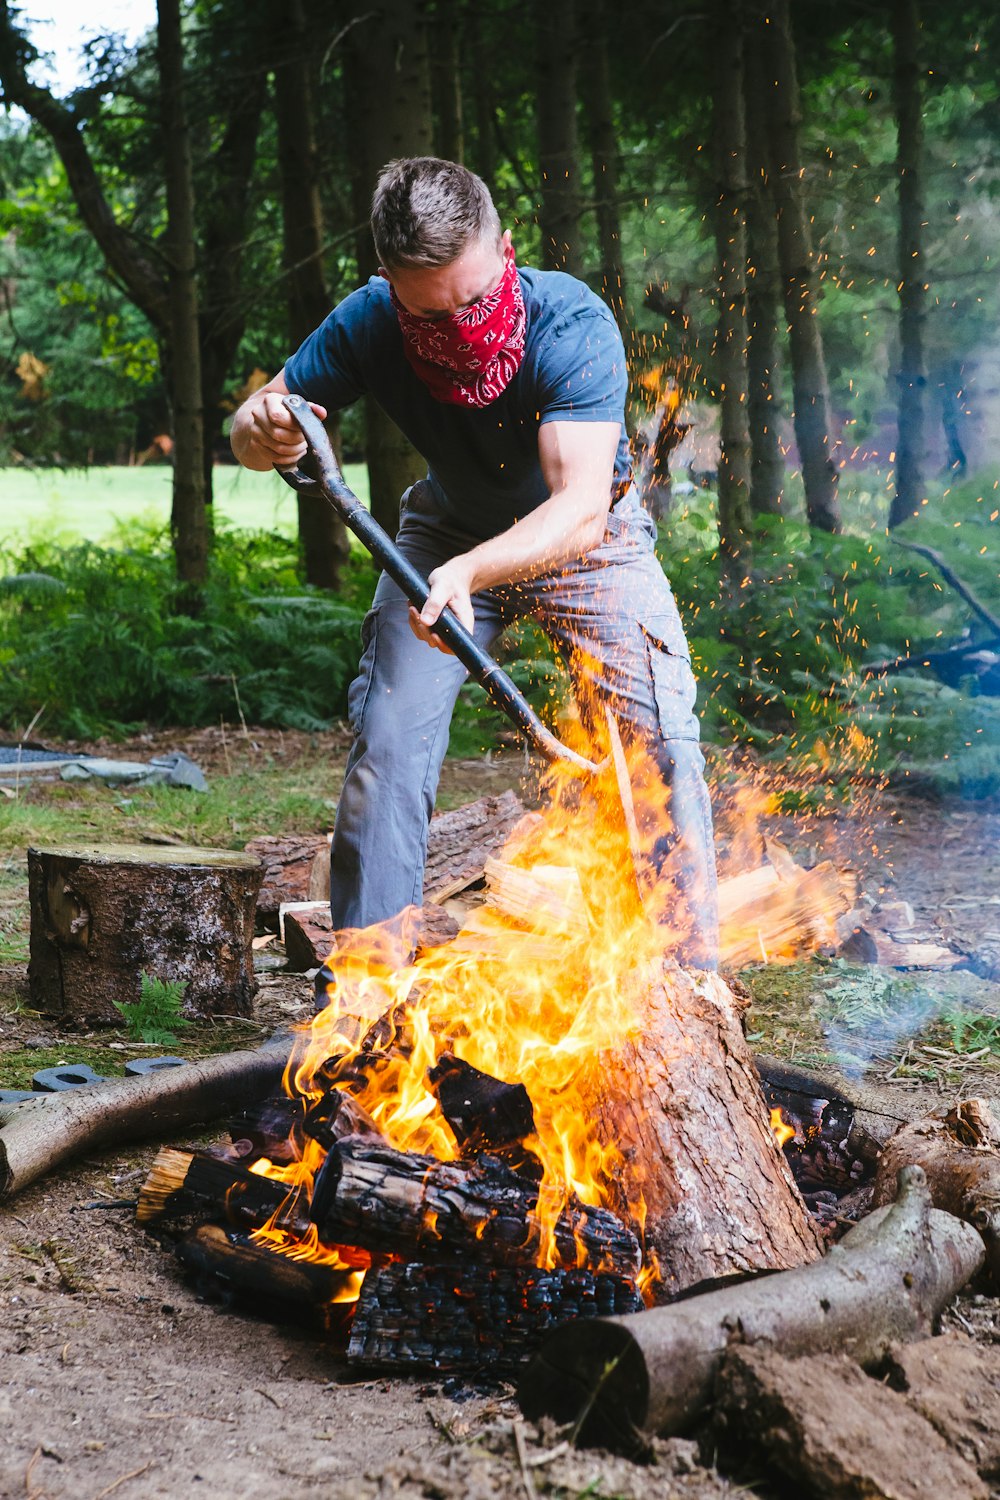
x=512, y=385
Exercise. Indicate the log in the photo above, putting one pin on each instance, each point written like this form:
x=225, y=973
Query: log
x=310, y=936
x=471, y=1317
x=338, y=1115
x=271, y=1127
x=419, y=1208
x=103, y=915
x=228, y=1261
x=38, y=1137
x=482, y=1111
x=959, y=1149
x=295, y=869
x=182, y=1183
x=883, y=1284
x=869, y=945
x=460, y=842
x=681, y=1102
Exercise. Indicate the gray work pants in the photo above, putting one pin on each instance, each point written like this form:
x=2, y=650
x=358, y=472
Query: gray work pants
x=611, y=615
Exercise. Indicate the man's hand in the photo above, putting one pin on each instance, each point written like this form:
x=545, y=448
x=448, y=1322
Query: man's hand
x=264, y=434
x=451, y=587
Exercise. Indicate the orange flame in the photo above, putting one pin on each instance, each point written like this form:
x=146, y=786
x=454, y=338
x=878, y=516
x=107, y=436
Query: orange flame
x=783, y=1132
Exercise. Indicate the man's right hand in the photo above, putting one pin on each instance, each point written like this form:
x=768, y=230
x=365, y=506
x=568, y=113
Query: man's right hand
x=264, y=433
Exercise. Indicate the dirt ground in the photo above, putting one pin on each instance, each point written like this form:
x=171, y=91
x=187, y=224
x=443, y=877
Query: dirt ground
x=119, y=1380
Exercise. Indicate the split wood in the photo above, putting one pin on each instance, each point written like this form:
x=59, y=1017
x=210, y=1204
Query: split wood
x=883, y=1284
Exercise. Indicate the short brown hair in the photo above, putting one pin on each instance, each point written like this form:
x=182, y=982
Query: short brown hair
x=426, y=211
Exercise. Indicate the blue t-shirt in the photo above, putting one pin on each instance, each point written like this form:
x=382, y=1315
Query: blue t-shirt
x=483, y=461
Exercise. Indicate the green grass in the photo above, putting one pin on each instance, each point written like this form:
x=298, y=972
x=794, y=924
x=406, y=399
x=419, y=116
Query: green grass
x=90, y=504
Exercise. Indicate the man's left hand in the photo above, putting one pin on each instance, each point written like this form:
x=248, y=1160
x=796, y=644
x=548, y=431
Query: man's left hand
x=451, y=588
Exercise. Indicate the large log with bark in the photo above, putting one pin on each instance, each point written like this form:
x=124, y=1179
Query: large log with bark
x=883, y=1284
x=419, y=1208
x=473, y=1317
x=296, y=868
x=103, y=915
x=681, y=1101
x=35, y=1138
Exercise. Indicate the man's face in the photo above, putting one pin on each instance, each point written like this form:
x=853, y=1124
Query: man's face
x=442, y=291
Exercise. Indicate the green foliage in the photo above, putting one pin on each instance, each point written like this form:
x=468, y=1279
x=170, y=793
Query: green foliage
x=158, y=1013
x=95, y=637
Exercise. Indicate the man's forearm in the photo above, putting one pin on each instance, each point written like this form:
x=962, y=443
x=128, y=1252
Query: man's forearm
x=562, y=527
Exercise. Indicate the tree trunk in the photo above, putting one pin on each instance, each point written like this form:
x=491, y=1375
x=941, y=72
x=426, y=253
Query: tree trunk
x=813, y=420
x=729, y=149
x=101, y=916
x=446, y=69
x=389, y=79
x=907, y=92
x=558, y=146
x=602, y=140
x=188, y=518
x=682, y=1102
x=767, y=462
x=322, y=535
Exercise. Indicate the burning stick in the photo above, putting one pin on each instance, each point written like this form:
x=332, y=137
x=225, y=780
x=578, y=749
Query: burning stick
x=37, y=1138
x=884, y=1283
x=228, y=1258
x=182, y=1182
x=418, y=1207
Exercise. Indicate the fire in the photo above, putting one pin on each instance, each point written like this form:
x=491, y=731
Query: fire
x=783, y=1132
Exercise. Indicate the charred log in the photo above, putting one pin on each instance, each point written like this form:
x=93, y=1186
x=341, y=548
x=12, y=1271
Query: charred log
x=472, y=1317
x=227, y=1263
x=181, y=1183
x=418, y=1207
x=336, y=1116
x=883, y=1284
x=482, y=1111
x=272, y=1127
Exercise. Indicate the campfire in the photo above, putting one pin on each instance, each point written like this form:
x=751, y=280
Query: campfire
x=518, y=1126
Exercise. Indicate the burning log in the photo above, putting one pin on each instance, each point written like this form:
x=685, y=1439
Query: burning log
x=482, y=1111
x=419, y=1208
x=336, y=1116
x=959, y=1149
x=681, y=1101
x=38, y=1137
x=272, y=1127
x=102, y=916
x=473, y=1317
x=310, y=936
x=883, y=1284
x=227, y=1260
x=184, y=1182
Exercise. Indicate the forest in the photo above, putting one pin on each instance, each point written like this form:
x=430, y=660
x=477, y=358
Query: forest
x=791, y=211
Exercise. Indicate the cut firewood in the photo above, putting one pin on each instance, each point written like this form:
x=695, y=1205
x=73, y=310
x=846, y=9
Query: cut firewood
x=482, y=1111
x=472, y=1317
x=417, y=1207
x=296, y=868
x=959, y=1149
x=310, y=936
x=229, y=1261
x=883, y=1284
x=180, y=1183
x=104, y=915
x=272, y=1127
x=869, y=945
x=832, y=1431
x=460, y=842
x=38, y=1137
x=681, y=1104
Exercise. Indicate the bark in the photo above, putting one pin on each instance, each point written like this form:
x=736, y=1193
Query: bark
x=764, y=403
x=907, y=93
x=729, y=148
x=883, y=1284
x=682, y=1102
x=470, y=1317
x=602, y=142
x=101, y=916
x=812, y=414
x=461, y=841
x=181, y=1183
x=36, y=1138
x=188, y=516
x=322, y=534
x=390, y=116
x=310, y=936
x=558, y=145
x=417, y=1207
x=959, y=1149
x=296, y=868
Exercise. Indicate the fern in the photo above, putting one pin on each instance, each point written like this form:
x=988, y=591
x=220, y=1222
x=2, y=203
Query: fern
x=158, y=1013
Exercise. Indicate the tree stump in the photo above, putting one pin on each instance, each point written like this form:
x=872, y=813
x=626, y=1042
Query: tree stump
x=101, y=916
x=682, y=1101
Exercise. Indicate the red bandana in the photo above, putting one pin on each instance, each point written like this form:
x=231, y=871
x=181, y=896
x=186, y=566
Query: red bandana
x=470, y=358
